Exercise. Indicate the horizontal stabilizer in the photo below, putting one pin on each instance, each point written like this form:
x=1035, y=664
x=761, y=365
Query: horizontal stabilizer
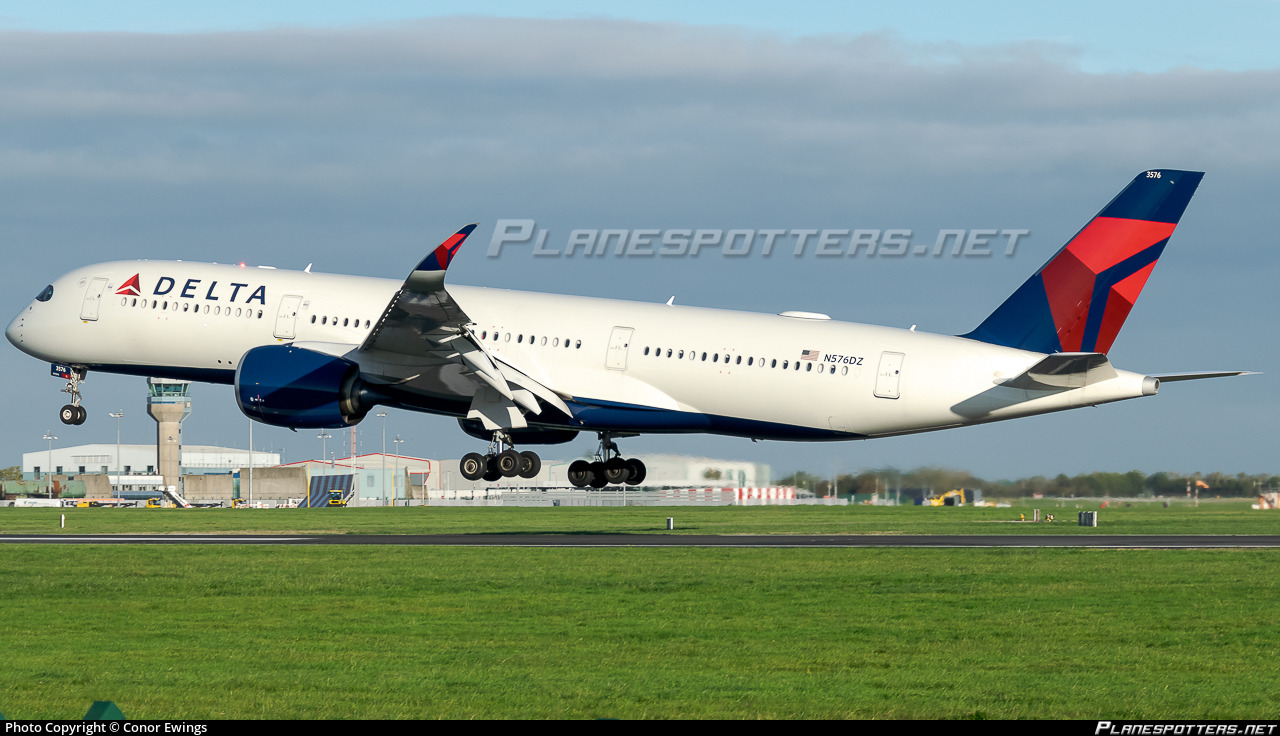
x=1064, y=371
x=1197, y=375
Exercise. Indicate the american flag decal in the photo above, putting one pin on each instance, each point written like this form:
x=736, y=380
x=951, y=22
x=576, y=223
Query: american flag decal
x=810, y=355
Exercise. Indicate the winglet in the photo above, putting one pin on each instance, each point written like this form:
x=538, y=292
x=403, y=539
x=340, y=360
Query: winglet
x=440, y=258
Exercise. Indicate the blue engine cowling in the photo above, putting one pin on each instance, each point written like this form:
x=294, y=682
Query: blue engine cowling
x=285, y=386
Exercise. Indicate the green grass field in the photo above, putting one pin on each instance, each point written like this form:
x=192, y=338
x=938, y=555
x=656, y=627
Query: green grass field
x=1211, y=517
x=191, y=631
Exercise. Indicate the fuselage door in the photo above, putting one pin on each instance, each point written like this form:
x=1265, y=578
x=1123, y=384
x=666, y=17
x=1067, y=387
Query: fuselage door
x=619, y=342
x=888, y=375
x=287, y=317
x=92, y=300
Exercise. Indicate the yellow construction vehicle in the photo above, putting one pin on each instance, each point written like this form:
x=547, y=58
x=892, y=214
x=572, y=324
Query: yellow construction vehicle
x=154, y=503
x=950, y=498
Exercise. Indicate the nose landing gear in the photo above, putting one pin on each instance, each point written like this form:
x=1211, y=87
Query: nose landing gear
x=72, y=413
x=500, y=463
x=609, y=468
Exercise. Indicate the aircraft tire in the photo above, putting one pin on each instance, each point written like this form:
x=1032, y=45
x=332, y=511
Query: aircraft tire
x=616, y=471
x=509, y=463
x=491, y=472
x=69, y=414
x=472, y=466
x=530, y=464
x=580, y=473
x=597, y=476
x=637, y=472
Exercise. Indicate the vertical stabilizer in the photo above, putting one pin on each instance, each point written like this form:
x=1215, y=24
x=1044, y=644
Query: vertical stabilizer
x=1078, y=301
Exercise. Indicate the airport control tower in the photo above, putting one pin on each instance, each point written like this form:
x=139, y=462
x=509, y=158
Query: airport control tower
x=168, y=402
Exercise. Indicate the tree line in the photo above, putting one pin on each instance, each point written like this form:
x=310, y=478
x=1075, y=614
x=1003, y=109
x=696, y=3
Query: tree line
x=1133, y=484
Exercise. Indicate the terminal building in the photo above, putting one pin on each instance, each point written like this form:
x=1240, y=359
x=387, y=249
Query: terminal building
x=133, y=469
x=210, y=473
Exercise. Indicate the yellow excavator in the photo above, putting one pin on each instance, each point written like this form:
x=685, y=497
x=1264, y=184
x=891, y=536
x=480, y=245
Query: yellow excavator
x=950, y=498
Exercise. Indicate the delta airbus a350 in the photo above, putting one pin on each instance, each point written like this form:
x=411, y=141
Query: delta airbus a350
x=312, y=350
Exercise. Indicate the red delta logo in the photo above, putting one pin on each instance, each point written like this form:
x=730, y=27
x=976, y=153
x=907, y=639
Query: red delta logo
x=131, y=287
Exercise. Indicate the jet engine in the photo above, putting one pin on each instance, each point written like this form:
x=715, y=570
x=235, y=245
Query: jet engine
x=292, y=387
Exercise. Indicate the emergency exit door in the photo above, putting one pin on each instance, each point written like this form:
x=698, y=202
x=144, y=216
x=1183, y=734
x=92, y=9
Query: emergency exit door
x=619, y=343
x=888, y=375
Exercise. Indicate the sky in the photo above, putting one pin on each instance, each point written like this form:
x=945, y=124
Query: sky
x=303, y=133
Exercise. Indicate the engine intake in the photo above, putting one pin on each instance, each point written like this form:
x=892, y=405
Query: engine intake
x=285, y=386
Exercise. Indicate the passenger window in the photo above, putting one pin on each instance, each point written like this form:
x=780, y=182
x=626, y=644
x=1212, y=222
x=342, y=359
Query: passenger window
x=578, y=346
x=555, y=343
x=739, y=361
x=646, y=351
x=808, y=366
x=668, y=352
x=313, y=319
x=784, y=365
x=715, y=357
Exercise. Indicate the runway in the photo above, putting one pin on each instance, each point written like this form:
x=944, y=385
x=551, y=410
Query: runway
x=1096, y=541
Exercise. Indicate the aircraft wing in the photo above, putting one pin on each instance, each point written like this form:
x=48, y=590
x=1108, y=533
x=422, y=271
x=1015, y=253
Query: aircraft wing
x=424, y=340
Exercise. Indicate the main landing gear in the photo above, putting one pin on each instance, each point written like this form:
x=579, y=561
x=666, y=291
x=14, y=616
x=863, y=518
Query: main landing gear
x=73, y=413
x=500, y=463
x=609, y=468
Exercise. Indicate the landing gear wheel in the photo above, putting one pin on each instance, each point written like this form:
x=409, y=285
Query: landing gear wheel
x=508, y=463
x=580, y=473
x=70, y=414
x=530, y=464
x=84, y=414
x=615, y=471
x=491, y=472
x=597, y=476
x=473, y=466
x=637, y=471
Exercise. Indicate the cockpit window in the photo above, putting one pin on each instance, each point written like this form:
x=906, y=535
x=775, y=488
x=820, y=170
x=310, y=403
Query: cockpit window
x=46, y=295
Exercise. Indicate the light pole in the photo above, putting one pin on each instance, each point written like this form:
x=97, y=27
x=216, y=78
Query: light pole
x=395, y=474
x=117, y=415
x=324, y=438
x=250, y=461
x=48, y=435
x=382, y=486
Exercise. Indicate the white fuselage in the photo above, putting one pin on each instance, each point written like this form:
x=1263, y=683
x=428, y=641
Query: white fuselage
x=766, y=376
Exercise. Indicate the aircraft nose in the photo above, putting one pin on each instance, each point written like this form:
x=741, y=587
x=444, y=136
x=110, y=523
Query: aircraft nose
x=14, y=331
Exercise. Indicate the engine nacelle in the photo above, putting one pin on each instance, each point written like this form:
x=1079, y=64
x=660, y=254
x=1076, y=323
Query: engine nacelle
x=285, y=386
